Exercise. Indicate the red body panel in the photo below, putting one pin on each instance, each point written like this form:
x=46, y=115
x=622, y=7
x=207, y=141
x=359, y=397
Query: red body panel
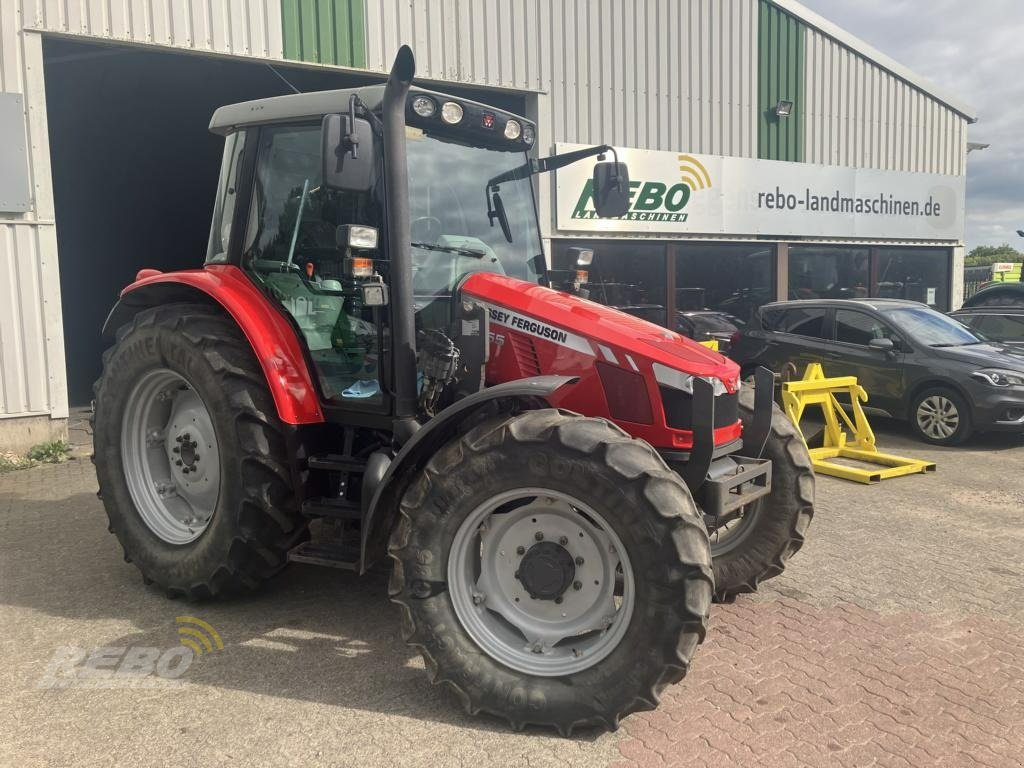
x=272, y=338
x=536, y=330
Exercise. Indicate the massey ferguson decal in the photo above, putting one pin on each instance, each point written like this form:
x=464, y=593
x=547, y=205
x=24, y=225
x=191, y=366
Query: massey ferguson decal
x=515, y=321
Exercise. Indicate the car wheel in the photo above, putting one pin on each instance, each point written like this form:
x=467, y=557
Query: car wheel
x=940, y=416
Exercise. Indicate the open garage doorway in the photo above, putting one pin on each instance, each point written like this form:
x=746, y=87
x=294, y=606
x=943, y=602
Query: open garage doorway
x=135, y=168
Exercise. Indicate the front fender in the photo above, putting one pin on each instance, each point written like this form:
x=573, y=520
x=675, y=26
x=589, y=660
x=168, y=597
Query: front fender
x=382, y=510
x=272, y=338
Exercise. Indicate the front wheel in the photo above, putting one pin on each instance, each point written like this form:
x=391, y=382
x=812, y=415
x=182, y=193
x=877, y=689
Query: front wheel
x=941, y=417
x=755, y=544
x=552, y=571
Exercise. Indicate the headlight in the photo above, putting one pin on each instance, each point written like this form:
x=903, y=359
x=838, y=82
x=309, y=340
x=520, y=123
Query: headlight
x=528, y=134
x=513, y=129
x=670, y=377
x=424, y=106
x=998, y=378
x=451, y=112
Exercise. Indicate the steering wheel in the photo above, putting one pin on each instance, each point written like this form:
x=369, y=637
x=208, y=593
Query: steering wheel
x=431, y=228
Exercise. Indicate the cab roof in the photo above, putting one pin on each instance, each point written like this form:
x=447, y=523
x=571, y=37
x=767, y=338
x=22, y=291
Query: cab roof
x=313, y=105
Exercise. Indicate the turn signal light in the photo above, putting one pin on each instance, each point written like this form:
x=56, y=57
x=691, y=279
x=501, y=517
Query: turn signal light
x=360, y=267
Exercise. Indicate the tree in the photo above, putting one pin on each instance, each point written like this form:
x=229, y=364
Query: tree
x=983, y=255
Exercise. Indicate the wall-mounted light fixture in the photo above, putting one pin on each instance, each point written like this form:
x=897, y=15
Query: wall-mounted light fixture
x=784, y=108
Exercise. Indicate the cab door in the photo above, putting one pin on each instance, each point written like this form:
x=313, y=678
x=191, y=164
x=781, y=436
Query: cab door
x=879, y=371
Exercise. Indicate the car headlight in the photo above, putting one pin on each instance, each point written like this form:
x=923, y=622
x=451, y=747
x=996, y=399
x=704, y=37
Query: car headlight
x=999, y=378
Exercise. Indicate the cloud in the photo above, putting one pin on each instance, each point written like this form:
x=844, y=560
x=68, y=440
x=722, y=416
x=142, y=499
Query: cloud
x=976, y=53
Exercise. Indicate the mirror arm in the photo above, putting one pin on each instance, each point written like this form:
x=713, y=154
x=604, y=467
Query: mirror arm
x=550, y=163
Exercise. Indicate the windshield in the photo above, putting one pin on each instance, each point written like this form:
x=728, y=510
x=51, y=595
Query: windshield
x=930, y=327
x=451, y=234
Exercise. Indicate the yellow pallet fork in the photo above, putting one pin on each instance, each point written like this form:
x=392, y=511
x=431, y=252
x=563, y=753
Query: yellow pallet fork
x=816, y=389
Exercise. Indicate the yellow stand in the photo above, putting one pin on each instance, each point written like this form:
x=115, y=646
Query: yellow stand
x=711, y=344
x=815, y=389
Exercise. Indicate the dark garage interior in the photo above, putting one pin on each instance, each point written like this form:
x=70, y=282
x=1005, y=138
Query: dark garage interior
x=135, y=168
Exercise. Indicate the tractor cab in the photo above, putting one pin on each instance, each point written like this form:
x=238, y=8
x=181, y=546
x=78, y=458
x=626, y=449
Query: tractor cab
x=312, y=170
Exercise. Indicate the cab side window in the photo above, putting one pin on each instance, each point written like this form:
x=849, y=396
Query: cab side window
x=860, y=328
x=291, y=250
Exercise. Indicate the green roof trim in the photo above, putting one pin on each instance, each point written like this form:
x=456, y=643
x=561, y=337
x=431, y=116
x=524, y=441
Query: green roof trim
x=325, y=31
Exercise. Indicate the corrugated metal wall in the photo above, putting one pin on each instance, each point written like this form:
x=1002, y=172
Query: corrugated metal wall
x=240, y=27
x=658, y=74
x=860, y=115
x=31, y=342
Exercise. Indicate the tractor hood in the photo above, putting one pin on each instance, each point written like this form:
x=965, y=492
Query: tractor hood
x=611, y=334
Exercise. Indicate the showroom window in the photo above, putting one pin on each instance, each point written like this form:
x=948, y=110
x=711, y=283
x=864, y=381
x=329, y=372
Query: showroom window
x=828, y=272
x=917, y=274
x=846, y=272
x=627, y=274
x=733, y=278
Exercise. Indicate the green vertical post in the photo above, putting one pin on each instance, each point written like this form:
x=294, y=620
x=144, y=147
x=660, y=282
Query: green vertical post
x=324, y=31
x=780, y=75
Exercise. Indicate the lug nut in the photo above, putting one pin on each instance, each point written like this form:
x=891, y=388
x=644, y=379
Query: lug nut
x=179, y=438
x=520, y=551
x=517, y=574
x=178, y=462
x=197, y=457
x=176, y=449
x=577, y=585
x=558, y=600
x=538, y=536
x=563, y=540
x=579, y=561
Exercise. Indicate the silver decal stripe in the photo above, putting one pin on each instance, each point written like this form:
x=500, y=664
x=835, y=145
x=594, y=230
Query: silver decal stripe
x=608, y=354
x=537, y=328
x=632, y=363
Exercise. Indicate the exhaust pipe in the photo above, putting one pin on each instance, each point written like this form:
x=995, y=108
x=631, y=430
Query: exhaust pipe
x=396, y=181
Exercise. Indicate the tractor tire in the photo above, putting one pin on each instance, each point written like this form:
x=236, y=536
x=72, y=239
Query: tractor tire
x=197, y=473
x=524, y=511
x=773, y=528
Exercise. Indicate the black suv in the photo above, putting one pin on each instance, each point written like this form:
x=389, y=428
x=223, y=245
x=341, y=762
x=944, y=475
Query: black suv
x=916, y=364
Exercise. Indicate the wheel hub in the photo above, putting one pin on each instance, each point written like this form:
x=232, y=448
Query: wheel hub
x=546, y=571
x=533, y=577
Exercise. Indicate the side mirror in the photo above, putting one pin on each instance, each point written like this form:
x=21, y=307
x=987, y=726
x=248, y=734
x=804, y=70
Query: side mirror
x=347, y=153
x=885, y=345
x=611, y=190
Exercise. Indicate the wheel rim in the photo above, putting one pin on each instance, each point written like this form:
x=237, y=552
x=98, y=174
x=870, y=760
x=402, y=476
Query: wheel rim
x=579, y=573
x=938, y=417
x=727, y=533
x=170, y=455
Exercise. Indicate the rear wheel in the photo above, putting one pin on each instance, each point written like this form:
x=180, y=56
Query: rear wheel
x=552, y=571
x=195, y=470
x=754, y=545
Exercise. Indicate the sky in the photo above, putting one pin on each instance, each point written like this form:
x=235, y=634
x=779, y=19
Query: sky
x=975, y=51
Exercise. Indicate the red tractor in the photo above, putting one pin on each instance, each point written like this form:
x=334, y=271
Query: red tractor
x=372, y=362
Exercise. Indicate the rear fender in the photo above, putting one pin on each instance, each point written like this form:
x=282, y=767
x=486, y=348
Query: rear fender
x=382, y=510
x=272, y=338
